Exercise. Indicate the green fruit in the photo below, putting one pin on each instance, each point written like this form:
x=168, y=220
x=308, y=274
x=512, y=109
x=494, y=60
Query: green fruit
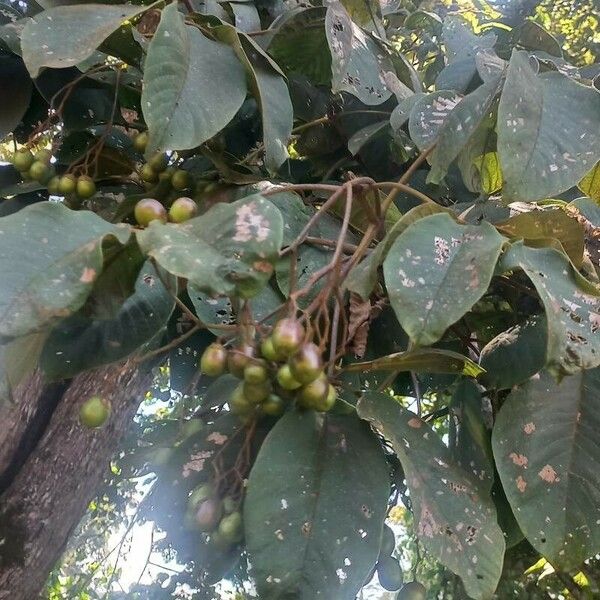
x=315, y=394
x=53, y=186
x=67, y=184
x=255, y=372
x=239, y=403
x=180, y=180
x=229, y=505
x=148, y=210
x=388, y=542
x=238, y=359
x=256, y=392
x=219, y=541
x=230, y=527
x=286, y=379
x=148, y=174
x=86, y=187
x=39, y=171
x=306, y=365
x=327, y=403
x=413, y=591
x=208, y=514
x=273, y=406
x=214, y=360
x=182, y=210
x=268, y=350
x=200, y=494
x=23, y=159
x=140, y=141
x=94, y=412
x=390, y=574
x=43, y=156
x=288, y=335
x=159, y=162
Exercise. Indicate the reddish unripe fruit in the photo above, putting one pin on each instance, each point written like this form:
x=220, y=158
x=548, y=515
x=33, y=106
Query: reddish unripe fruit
x=140, y=141
x=94, y=412
x=23, y=159
x=182, y=210
x=288, y=335
x=286, y=380
x=256, y=392
x=208, y=514
x=159, y=162
x=255, y=372
x=214, y=360
x=306, y=365
x=148, y=210
x=148, y=174
x=86, y=187
x=67, y=184
x=314, y=395
x=327, y=403
x=238, y=359
x=273, y=406
x=200, y=494
x=268, y=350
x=180, y=180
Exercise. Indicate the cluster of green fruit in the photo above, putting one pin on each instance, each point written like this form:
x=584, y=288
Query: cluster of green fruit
x=220, y=518
x=288, y=367
x=94, y=412
x=150, y=209
x=39, y=168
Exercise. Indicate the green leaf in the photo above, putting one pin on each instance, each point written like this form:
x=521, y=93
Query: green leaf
x=183, y=103
x=15, y=92
x=47, y=275
x=82, y=342
x=358, y=63
x=436, y=271
x=246, y=16
x=426, y=360
x=65, y=35
x=453, y=520
x=539, y=225
x=365, y=135
x=545, y=444
x=229, y=250
x=366, y=13
x=363, y=277
x=535, y=37
x=571, y=302
x=460, y=126
x=515, y=355
x=590, y=184
x=313, y=520
x=543, y=149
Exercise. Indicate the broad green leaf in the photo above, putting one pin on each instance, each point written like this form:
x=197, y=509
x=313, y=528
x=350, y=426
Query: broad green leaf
x=436, y=271
x=313, y=520
x=358, y=63
x=453, y=520
x=82, y=342
x=556, y=223
x=429, y=114
x=271, y=92
x=363, y=277
x=590, y=184
x=401, y=113
x=15, y=92
x=460, y=126
x=534, y=36
x=490, y=175
x=47, y=275
x=246, y=16
x=515, y=355
x=66, y=35
x=426, y=360
x=183, y=103
x=367, y=14
x=571, y=302
x=544, y=149
x=545, y=444
x=231, y=249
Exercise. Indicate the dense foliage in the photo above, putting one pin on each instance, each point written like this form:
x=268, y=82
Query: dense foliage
x=362, y=242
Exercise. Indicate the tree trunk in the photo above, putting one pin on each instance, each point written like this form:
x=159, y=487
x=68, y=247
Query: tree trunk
x=51, y=466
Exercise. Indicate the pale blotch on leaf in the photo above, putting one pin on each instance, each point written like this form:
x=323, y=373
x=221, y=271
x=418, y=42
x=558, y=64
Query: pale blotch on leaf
x=549, y=474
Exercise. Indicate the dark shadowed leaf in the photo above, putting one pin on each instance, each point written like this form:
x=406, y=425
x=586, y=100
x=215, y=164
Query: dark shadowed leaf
x=15, y=92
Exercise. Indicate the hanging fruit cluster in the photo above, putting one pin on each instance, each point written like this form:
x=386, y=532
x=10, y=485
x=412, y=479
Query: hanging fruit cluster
x=286, y=369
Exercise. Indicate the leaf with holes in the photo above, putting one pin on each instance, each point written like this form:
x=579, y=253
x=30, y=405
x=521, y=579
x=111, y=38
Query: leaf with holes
x=313, y=521
x=46, y=275
x=436, y=271
x=231, y=249
x=453, y=519
x=180, y=109
x=545, y=444
x=571, y=302
x=545, y=125
x=66, y=35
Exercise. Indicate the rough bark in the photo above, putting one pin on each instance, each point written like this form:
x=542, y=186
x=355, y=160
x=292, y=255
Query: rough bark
x=50, y=467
